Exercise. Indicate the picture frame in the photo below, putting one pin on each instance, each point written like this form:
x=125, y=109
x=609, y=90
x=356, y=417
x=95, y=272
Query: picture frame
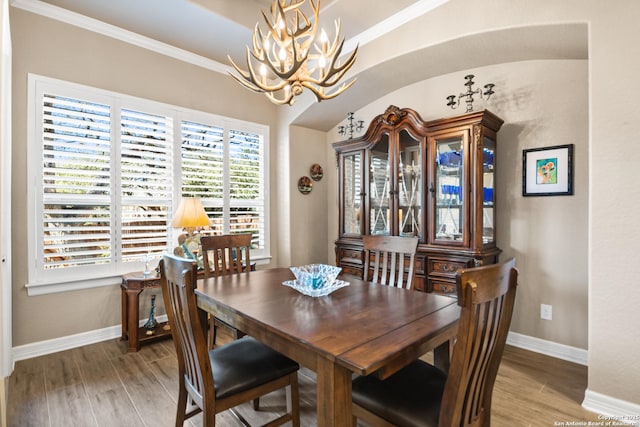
x=547, y=171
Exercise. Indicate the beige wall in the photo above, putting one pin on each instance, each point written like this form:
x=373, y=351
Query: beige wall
x=546, y=235
x=88, y=58
x=614, y=231
x=308, y=211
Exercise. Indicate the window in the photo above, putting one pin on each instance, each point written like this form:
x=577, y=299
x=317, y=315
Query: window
x=204, y=174
x=109, y=170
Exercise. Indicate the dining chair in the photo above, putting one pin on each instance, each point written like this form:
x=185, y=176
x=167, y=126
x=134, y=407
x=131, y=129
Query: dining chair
x=226, y=254
x=219, y=379
x=421, y=394
x=391, y=255
x=221, y=255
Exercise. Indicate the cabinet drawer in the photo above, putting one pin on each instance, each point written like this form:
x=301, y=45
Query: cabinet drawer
x=443, y=287
x=351, y=255
x=446, y=267
x=352, y=271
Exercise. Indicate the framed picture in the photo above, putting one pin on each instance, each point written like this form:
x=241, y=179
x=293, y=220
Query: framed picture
x=548, y=171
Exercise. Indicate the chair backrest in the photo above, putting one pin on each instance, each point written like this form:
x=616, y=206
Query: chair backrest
x=486, y=295
x=226, y=254
x=391, y=255
x=178, y=278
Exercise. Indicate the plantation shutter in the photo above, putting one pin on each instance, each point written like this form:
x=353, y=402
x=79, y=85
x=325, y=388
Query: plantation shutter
x=146, y=183
x=106, y=172
x=203, y=169
x=246, y=185
x=76, y=164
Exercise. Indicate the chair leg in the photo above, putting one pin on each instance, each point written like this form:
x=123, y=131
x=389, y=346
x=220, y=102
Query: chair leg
x=182, y=405
x=293, y=400
x=256, y=404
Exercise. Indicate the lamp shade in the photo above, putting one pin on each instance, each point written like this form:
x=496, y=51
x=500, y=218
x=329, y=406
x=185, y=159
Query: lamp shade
x=190, y=214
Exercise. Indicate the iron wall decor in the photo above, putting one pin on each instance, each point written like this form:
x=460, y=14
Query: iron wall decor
x=548, y=171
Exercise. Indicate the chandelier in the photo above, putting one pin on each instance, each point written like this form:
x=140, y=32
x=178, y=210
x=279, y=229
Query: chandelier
x=288, y=55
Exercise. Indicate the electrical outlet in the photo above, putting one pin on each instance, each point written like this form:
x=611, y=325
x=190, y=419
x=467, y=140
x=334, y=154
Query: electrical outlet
x=546, y=312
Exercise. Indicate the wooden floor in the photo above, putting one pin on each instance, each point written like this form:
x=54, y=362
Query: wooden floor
x=103, y=385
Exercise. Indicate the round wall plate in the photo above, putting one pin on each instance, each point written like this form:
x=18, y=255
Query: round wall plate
x=305, y=185
x=316, y=172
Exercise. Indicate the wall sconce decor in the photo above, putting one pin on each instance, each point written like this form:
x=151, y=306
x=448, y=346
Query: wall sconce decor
x=468, y=95
x=351, y=126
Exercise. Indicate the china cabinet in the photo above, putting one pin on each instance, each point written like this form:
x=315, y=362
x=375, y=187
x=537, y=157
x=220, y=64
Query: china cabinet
x=434, y=180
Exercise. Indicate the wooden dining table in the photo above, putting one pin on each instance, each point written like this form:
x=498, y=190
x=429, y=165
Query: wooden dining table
x=362, y=328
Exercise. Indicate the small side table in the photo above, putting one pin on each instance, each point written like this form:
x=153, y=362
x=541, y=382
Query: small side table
x=132, y=286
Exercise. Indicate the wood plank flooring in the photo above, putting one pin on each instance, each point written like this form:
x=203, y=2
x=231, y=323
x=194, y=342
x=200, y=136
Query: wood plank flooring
x=103, y=385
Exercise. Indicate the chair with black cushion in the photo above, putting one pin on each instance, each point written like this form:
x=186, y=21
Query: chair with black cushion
x=391, y=256
x=222, y=255
x=219, y=379
x=421, y=394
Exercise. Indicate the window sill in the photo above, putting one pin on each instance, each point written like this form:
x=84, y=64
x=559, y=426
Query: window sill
x=35, y=289
x=39, y=288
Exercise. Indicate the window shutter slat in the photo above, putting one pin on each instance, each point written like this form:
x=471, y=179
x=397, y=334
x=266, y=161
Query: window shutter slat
x=76, y=168
x=202, y=161
x=146, y=183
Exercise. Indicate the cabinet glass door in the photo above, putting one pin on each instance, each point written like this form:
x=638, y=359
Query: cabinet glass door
x=379, y=187
x=449, y=191
x=409, y=186
x=352, y=176
x=488, y=193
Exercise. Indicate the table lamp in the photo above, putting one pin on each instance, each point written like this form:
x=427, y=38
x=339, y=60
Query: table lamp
x=189, y=216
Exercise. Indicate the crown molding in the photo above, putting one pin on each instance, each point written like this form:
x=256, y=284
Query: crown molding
x=391, y=23
x=94, y=25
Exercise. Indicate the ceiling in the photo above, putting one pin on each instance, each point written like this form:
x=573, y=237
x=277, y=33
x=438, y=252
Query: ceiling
x=214, y=29
x=217, y=28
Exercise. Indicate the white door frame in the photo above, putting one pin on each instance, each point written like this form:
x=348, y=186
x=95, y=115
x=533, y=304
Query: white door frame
x=6, y=359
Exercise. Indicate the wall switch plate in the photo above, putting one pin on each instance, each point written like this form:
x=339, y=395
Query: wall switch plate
x=546, y=312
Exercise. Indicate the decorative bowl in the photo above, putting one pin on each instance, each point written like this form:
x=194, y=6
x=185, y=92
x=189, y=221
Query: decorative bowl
x=316, y=276
x=320, y=292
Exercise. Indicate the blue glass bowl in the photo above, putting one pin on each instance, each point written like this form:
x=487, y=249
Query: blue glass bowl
x=316, y=276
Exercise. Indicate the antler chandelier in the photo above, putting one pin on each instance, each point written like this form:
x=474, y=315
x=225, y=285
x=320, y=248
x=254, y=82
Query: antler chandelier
x=286, y=57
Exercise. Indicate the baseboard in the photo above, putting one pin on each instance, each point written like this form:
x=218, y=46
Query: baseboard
x=612, y=409
x=550, y=348
x=42, y=348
